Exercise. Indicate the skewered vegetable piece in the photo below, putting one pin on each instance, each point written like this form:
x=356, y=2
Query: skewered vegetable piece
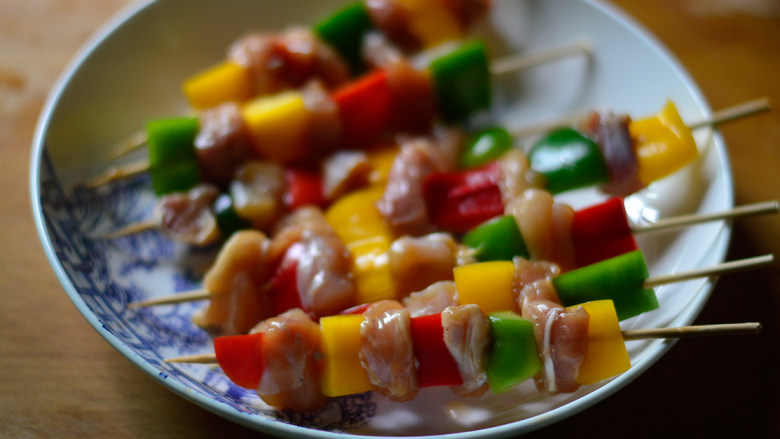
x=620, y=279
x=172, y=161
x=485, y=146
x=344, y=30
x=342, y=372
x=496, y=239
x=568, y=160
x=487, y=284
x=605, y=354
x=513, y=357
x=664, y=144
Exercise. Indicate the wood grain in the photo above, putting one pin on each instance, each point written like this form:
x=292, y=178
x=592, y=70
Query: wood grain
x=60, y=379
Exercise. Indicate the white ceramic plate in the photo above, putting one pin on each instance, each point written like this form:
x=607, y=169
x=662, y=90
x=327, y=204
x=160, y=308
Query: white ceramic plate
x=131, y=72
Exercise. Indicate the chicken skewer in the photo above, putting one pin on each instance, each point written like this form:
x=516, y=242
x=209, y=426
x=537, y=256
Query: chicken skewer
x=356, y=129
x=341, y=358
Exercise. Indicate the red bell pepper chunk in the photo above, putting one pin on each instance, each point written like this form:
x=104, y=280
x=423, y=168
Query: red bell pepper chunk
x=241, y=358
x=283, y=286
x=459, y=201
x=304, y=187
x=601, y=232
x=365, y=109
x=435, y=365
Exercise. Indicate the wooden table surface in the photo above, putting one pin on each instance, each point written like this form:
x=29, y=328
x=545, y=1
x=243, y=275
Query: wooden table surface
x=60, y=379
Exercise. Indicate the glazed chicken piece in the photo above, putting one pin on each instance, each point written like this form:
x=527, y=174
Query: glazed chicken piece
x=291, y=351
x=386, y=353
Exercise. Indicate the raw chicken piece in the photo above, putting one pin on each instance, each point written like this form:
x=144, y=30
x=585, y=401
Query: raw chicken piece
x=432, y=300
x=386, y=352
x=467, y=336
x=291, y=350
x=416, y=262
x=188, y=217
x=236, y=283
x=546, y=227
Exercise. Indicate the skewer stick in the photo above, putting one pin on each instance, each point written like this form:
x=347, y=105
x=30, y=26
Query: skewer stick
x=736, y=112
x=117, y=173
x=633, y=334
x=131, y=229
x=130, y=144
x=520, y=61
x=693, y=331
x=686, y=220
x=721, y=116
x=194, y=359
x=724, y=268
x=186, y=296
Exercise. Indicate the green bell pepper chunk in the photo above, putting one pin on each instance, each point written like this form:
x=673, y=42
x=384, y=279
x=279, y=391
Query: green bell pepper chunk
x=513, y=357
x=569, y=160
x=173, y=163
x=485, y=146
x=344, y=31
x=498, y=239
x=227, y=219
x=620, y=279
x=461, y=82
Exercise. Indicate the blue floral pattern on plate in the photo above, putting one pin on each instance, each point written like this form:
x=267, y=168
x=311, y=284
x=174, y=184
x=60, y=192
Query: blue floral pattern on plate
x=109, y=275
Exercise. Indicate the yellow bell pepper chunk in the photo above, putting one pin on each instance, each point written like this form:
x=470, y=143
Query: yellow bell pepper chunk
x=381, y=160
x=279, y=125
x=225, y=82
x=664, y=144
x=432, y=22
x=362, y=229
x=606, y=354
x=342, y=373
x=487, y=284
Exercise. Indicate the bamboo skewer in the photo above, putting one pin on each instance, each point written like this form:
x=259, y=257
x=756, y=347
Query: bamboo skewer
x=723, y=268
x=131, y=229
x=117, y=173
x=748, y=328
x=698, y=218
x=721, y=116
x=185, y=296
x=521, y=61
x=130, y=144
x=736, y=112
x=694, y=331
x=760, y=208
